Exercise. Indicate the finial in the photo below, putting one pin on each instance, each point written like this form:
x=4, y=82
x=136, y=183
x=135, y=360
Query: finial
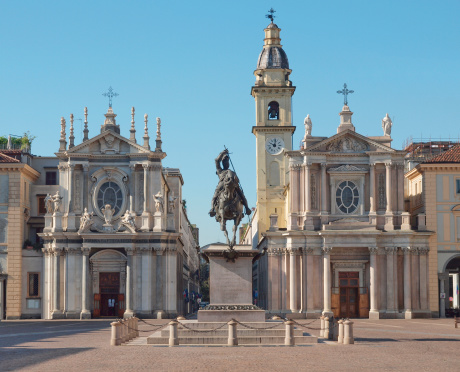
x=271, y=16
x=71, y=136
x=110, y=94
x=146, y=133
x=85, y=131
x=62, y=141
x=132, y=131
x=345, y=93
x=158, y=139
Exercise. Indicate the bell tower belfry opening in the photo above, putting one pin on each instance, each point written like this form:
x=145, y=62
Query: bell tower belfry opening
x=272, y=92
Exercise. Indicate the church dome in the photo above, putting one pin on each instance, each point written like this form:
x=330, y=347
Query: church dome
x=273, y=57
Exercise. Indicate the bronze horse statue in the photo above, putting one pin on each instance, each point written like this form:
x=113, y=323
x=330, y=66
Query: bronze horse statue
x=228, y=201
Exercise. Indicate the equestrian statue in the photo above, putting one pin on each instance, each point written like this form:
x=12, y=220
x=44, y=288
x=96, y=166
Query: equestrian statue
x=228, y=201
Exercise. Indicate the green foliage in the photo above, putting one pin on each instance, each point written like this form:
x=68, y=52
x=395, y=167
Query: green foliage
x=22, y=142
x=204, y=281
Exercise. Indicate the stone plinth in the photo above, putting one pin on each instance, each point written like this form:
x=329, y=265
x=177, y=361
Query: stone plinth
x=230, y=286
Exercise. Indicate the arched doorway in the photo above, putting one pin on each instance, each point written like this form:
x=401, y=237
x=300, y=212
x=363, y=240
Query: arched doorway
x=108, y=270
x=452, y=286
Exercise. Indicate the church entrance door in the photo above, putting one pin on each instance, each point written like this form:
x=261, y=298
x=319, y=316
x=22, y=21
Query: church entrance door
x=109, y=286
x=349, y=294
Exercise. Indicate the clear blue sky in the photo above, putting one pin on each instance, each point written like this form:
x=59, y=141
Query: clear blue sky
x=192, y=63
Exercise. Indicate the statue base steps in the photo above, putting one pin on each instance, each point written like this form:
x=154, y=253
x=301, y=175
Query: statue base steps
x=246, y=336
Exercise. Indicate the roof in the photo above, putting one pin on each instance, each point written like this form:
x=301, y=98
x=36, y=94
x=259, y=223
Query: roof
x=449, y=156
x=273, y=57
x=7, y=159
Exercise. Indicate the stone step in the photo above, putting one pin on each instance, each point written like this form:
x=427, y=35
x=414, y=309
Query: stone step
x=213, y=325
x=261, y=340
x=224, y=332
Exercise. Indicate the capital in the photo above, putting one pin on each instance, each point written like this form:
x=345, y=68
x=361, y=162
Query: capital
x=390, y=250
x=326, y=250
x=388, y=164
x=373, y=250
x=85, y=167
x=85, y=251
x=406, y=250
x=145, y=166
x=423, y=250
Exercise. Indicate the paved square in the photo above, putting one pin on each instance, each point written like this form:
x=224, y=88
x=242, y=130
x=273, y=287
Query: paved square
x=383, y=345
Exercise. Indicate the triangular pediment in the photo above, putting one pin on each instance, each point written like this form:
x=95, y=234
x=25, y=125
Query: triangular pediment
x=108, y=143
x=348, y=142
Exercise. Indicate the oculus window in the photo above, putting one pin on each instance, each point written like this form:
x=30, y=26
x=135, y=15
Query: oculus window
x=347, y=197
x=110, y=193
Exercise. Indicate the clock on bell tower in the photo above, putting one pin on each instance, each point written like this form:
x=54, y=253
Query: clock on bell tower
x=273, y=130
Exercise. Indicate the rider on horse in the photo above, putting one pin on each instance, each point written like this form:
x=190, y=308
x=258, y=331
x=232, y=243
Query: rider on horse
x=225, y=176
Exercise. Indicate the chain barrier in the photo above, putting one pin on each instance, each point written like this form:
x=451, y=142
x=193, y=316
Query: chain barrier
x=158, y=326
x=202, y=330
x=257, y=328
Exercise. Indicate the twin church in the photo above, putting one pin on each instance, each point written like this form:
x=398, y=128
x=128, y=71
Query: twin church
x=112, y=237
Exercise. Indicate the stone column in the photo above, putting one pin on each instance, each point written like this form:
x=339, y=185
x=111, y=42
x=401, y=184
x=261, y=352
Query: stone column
x=391, y=303
x=85, y=313
x=56, y=283
x=146, y=174
x=388, y=186
x=292, y=281
x=423, y=272
x=85, y=186
x=132, y=188
x=310, y=283
x=303, y=282
x=308, y=219
x=171, y=276
x=400, y=173
x=2, y=305
x=129, y=283
x=146, y=280
x=455, y=284
x=273, y=279
x=323, y=189
x=327, y=281
x=70, y=182
x=372, y=188
x=374, y=310
x=295, y=196
x=284, y=270
x=407, y=283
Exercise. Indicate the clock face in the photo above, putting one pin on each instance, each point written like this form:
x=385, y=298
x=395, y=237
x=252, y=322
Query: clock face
x=274, y=146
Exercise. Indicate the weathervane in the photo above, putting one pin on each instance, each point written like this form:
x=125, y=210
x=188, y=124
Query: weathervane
x=110, y=93
x=271, y=16
x=345, y=93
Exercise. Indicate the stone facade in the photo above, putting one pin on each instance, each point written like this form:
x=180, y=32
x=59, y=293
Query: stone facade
x=115, y=235
x=338, y=238
x=434, y=202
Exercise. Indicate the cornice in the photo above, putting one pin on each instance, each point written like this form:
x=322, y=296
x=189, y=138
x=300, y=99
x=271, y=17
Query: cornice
x=273, y=129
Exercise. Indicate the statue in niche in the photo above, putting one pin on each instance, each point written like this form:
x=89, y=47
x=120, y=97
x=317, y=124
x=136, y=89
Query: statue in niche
x=228, y=201
x=108, y=213
x=49, y=204
x=57, y=201
x=158, y=198
x=172, y=202
x=86, y=221
x=386, y=125
x=128, y=221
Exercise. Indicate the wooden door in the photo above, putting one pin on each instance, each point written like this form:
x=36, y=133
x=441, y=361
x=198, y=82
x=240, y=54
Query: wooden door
x=363, y=304
x=97, y=305
x=335, y=304
x=349, y=294
x=121, y=305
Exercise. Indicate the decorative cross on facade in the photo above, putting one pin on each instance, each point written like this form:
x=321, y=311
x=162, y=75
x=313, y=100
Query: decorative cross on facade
x=345, y=93
x=271, y=16
x=110, y=93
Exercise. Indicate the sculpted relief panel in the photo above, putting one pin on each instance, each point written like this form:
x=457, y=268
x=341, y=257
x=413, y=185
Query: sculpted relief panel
x=347, y=144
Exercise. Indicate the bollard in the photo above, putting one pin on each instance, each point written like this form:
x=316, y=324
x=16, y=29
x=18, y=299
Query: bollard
x=133, y=331
x=115, y=339
x=289, y=338
x=335, y=330
x=136, y=327
x=326, y=328
x=128, y=328
x=455, y=321
x=340, y=336
x=124, y=336
x=232, y=336
x=321, y=332
x=348, y=332
x=173, y=339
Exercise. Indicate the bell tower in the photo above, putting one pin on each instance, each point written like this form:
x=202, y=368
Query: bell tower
x=272, y=92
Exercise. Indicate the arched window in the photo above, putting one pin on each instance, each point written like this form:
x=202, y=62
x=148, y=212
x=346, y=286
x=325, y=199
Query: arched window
x=273, y=110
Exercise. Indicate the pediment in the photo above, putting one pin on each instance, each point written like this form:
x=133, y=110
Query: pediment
x=348, y=142
x=108, y=142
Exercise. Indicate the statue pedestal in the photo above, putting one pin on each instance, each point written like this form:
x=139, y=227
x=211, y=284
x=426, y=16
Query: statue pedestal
x=48, y=223
x=230, y=286
x=145, y=221
x=57, y=221
x=170, y=224
x=71, y=222
x=158, y=224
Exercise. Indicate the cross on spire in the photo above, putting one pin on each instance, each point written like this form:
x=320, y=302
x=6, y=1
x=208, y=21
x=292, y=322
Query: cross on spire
x=271, y=16
x=110, y=93
x=345, y=93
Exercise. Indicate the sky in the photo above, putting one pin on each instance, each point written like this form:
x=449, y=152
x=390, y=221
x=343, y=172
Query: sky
x=192, y=64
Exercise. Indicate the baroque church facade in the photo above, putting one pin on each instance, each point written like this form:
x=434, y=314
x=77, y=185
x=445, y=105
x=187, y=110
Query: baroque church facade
x=330, y=215
x=115, y=236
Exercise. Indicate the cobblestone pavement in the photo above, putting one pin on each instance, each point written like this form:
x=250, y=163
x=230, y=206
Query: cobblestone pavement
x=382, y=345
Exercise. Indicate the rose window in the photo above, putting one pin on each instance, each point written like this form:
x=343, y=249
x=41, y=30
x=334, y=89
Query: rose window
x=347, y=197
